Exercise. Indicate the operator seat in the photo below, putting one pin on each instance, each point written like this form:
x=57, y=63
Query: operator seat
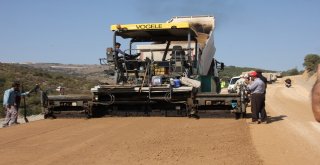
x=178, y=53
x=178, y=58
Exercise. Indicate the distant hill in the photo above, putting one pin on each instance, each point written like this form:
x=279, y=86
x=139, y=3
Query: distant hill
x=90, y=72
x=48, y=79
x=231, y=71
x=77, y=79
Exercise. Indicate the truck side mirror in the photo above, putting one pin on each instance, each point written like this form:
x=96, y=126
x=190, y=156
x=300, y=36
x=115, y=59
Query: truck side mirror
x=221, y=66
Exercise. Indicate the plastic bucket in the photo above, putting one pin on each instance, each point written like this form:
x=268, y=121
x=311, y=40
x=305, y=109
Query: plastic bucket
x=156, y=80
x=177, y=83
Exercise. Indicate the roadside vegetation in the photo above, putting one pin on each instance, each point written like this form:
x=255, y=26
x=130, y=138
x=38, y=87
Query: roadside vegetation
x=48, y=81
x=232, y=71
x=311, y=62
x=291, y=72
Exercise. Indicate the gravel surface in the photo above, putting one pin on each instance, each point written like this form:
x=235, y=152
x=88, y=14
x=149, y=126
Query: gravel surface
x=22, y=121
x=129, y=140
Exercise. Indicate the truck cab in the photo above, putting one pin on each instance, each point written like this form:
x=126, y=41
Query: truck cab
x=231, y=87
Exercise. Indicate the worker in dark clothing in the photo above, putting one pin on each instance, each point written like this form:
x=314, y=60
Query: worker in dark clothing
x=120, y=53
x=264, y=79
x=257, y=89
x=127, y=61
x=288, y=82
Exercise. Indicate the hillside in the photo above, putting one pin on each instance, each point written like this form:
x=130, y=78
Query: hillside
x=48, y=80
x=90, y=72
x=231, y=71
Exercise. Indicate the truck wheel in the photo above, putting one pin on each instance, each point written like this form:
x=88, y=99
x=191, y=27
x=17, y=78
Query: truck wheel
x=243, y=110
x=93, y=111
x=243, y=115
x=240, y=115
x=237, y=115
x=49, y=114
x=96, y=111
x=88, y=115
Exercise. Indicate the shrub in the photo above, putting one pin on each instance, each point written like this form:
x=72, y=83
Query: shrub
x=291, y=72
x=311, y=62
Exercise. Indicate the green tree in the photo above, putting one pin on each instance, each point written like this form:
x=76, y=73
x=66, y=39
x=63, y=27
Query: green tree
x=291, y=72
x=311, y=61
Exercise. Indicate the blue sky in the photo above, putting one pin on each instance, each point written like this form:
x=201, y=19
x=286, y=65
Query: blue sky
x=267, y=34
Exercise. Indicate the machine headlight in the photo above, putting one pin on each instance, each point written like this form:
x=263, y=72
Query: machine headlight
x=74, y=104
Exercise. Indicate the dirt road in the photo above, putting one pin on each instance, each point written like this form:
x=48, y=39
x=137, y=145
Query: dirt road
x=132, y=140
x=292, y=137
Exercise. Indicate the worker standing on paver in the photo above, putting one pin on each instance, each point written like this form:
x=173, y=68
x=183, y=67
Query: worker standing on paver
x=242, y=81
x=257, y=89
x=133, y=65
x=121, y=53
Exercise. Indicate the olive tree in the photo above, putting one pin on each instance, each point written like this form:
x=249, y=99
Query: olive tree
x=311, y=62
